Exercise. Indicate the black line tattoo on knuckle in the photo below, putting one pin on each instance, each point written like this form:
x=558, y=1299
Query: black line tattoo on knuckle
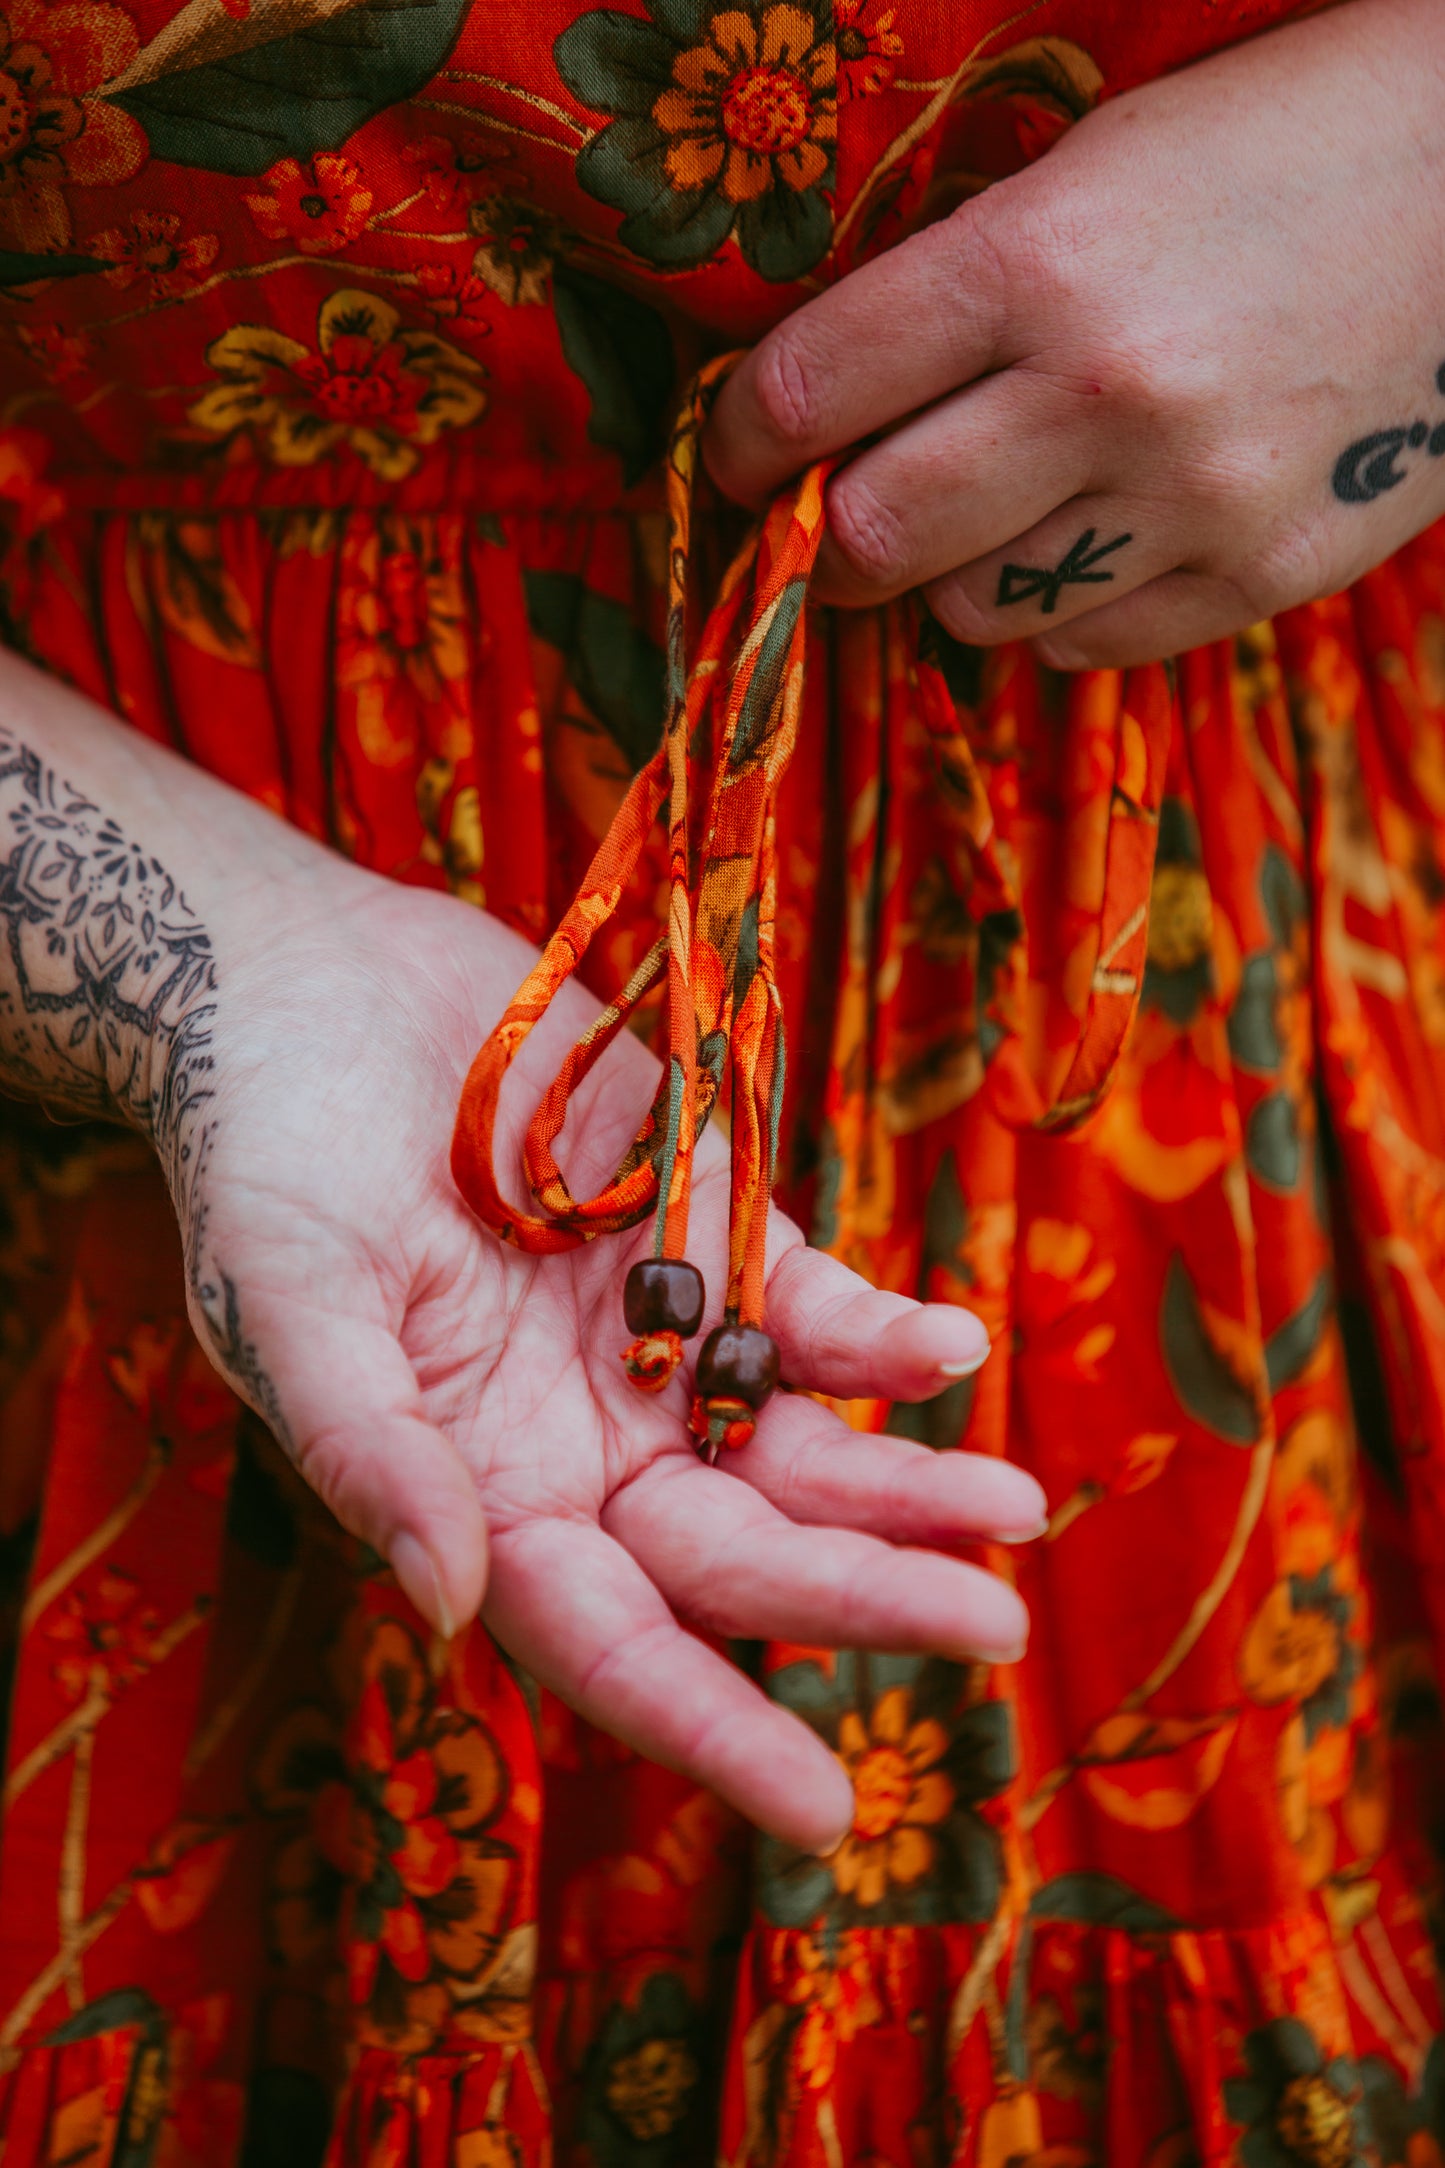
x=1025, y=583
x=1370, y=466
x=107, y=1005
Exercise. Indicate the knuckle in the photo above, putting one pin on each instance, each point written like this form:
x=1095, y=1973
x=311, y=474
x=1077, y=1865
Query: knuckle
x=870, y=538
x=1291, y=569
x=786, y=387
x=962, y=617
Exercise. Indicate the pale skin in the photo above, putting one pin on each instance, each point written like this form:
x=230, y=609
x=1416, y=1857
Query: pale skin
x=1172, y=329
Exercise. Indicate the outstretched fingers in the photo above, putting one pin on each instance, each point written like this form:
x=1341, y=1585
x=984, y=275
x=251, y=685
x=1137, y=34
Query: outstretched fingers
x=343, y=1399
x=728, y=1560
x=570, y=1604
x=809, y=1465
x=836, y=1334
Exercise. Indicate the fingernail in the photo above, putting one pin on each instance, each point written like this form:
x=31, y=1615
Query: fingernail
x=826, y=1851
x=966, y=1368
x=1015, y=1655
x=1026, y=1535
x=420, y=1581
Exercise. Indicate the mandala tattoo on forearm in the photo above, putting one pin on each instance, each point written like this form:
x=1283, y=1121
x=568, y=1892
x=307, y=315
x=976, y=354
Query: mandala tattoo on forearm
x=107, y=1006
x=1079, y=568
x=1371, y=465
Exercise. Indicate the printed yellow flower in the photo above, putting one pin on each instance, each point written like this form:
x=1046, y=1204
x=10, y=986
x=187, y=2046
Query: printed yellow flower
x=372, y=384
x=899, y=1797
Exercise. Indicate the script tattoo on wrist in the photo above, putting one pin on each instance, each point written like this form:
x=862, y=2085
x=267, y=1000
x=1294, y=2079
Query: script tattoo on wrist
x=1079, y=568
x=107, y=1006
x=1371, y=465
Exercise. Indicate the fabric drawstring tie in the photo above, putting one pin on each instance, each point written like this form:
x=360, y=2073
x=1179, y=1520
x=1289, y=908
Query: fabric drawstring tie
x=731, y=723
x=730, y=728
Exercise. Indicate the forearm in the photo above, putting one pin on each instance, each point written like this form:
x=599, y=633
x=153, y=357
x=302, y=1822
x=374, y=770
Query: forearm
x=121, y=870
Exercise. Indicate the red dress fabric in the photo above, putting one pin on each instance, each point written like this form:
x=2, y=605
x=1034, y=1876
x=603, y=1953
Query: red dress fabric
x=337, y=351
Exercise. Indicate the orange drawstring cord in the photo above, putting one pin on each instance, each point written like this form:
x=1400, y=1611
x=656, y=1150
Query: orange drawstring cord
x=731, y=725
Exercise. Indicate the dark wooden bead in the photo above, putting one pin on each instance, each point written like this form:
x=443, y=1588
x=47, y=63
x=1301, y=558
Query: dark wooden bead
x=738, y=1362
x=663, y=1294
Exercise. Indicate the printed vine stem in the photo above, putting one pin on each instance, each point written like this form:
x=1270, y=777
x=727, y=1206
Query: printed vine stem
x=920, y=125
x=523, y=97
x=1251, y=1506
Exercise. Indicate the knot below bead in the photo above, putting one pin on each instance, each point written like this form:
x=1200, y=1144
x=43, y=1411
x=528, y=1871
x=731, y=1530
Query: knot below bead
x=651, y=1360
x=720, y=1420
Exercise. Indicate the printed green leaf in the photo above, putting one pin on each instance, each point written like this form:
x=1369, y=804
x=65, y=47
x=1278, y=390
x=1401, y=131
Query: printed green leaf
x=614, y=63
x=621, y=350
x=1288, y=1350
x=1254, y=1039
x=121, y=2006
x=17, y=268
x=783, y=234
x=296, y=95
x=615, y=668
x=1272, y=1141
x=768, y=672
x=1207, y=1388
x=1098, y=1900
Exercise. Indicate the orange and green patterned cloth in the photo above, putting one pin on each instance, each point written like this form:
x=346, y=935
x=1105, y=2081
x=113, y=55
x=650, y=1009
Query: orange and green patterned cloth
x=337, y=355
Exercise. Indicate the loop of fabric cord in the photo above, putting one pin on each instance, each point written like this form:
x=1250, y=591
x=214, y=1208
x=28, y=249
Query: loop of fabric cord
x=730, y=728
x=731, y=723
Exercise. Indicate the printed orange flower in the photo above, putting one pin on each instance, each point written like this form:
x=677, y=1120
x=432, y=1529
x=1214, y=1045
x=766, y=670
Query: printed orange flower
x=752, y=106
x=149, y=246
x=1060, y=1294
x=832, y=1980
x=103, y=1637
x=401, y=629
x=319, y=207
x=398, y=1855
x=52, y=131
x=740, y=137
x=868, y=46
x=455, y=297
x=900, y=1796
x=373, y=385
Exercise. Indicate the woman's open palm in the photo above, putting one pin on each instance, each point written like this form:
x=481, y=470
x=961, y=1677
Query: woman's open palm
x=450, y=1397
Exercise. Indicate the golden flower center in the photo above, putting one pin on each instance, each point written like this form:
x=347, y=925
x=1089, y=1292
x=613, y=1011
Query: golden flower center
x=1181, y=917
x=648, y=2090
x=1315, y=2124
x=766, y=111
x=882, y=1788
x=14, y=117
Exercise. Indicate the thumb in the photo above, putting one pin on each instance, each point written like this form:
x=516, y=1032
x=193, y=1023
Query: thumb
x=343, y=1401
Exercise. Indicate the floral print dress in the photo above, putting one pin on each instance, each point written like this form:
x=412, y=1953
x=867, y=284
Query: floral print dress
x=337, y=349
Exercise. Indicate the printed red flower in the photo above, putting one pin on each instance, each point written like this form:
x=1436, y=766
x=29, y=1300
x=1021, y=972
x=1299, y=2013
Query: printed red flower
x=51, y=130
x=100, y=1637
x=868, y=47
x=320, y=207
x=370, y=383
x=149, y=246
x=453, y=173
x=358, y=382
x=456, y=297
x=399, y=1853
